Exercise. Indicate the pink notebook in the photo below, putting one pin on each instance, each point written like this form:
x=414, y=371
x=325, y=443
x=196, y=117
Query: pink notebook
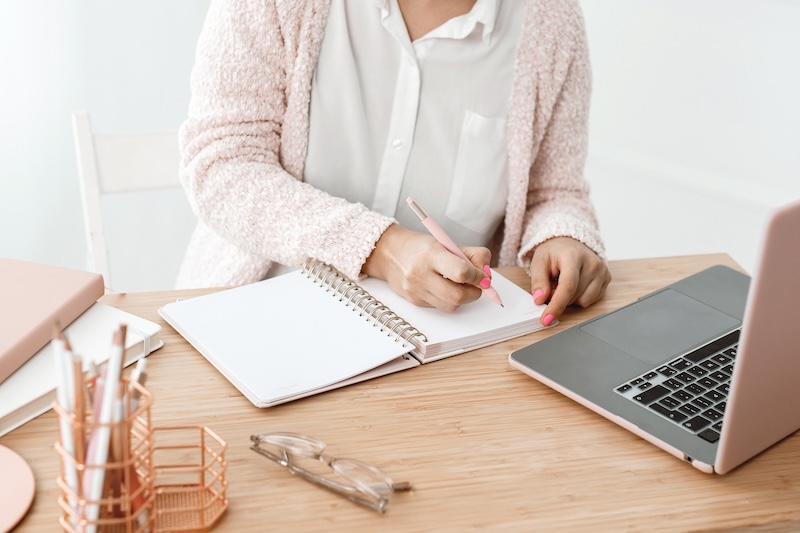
x=34, y=297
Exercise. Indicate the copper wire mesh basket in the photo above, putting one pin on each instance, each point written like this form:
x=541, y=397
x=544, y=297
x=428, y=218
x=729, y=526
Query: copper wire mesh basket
x=156, y=479
x=190, y=482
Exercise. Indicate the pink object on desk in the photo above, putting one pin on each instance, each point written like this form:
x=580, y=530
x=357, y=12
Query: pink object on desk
x=35, y=298
x=17, y=488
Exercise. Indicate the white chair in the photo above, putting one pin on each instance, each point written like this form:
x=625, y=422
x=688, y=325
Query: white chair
x=132, y=162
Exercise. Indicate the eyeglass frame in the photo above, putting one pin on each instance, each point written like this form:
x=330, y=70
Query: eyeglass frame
x=358, y=493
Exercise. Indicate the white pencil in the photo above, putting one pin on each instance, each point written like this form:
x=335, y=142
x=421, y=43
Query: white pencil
x=65, y=395
x=97, y=455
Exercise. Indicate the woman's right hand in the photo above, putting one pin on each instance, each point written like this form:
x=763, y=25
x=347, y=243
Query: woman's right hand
x=421, y=270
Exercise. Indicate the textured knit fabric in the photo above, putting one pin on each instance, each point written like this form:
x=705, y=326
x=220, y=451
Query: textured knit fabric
x=244, y=145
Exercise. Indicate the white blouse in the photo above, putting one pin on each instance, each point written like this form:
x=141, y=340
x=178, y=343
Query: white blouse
x=390, y=118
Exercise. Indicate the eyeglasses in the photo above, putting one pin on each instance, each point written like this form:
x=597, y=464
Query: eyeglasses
x=368, y=486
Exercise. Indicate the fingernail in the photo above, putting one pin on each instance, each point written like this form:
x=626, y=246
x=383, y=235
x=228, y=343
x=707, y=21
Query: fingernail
x=485, y=282
x=537, y=294
x=548, y=320
x=487, y=270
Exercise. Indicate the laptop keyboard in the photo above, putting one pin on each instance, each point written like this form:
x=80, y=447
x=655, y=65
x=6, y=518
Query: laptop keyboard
x=691, y=390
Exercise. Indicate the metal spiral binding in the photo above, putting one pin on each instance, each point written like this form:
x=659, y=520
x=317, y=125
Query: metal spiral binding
x=358, y=299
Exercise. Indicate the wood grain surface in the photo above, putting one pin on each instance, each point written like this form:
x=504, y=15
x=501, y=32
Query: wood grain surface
x=486, y=447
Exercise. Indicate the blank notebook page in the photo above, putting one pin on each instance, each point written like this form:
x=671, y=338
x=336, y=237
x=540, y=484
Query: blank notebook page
x=282, y=336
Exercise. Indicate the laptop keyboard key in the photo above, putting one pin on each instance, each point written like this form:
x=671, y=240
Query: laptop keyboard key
x=672, y=403
x=721, y=359
x=709, y=365
x=652, y=394
x=689, y=409
x=677, y=416
x=702, y=402
x=698, y=371
x=696, y=424
x=667, y=371
x=714, y=395
x=712, y=414
x=695, y=389
x=681, y=364
x=708, y=382
x=720, y=376
x=709, y=434
x=682, y=395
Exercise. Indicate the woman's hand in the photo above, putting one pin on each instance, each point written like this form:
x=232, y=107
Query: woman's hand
x=564, y=272
x=423, y=272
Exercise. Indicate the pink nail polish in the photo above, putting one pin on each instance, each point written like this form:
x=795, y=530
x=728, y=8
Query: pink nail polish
x=548, y=320
x=485, y=282
x=537, y=294
x=487, y=270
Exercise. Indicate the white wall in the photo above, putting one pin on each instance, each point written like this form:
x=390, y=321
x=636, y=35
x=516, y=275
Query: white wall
x=695, y=125
x=128, y=64
x=695, y=129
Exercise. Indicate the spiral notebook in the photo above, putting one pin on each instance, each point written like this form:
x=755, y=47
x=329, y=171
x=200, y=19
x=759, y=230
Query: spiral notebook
x=314, y=329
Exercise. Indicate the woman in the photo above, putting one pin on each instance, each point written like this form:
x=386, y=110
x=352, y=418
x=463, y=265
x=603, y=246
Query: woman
x=311, y=122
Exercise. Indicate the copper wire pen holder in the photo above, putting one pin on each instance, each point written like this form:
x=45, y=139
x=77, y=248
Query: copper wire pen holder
x=174, y=484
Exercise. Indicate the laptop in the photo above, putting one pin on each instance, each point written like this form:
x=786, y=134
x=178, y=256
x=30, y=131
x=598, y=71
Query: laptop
x=707, y=368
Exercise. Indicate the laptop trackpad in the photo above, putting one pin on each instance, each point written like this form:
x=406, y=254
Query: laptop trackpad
x=661, y=326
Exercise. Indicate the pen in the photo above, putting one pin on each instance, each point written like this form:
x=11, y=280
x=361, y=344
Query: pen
x=439, y=234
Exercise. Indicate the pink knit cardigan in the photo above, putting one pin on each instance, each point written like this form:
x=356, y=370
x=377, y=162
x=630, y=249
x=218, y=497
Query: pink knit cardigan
x=244, y=145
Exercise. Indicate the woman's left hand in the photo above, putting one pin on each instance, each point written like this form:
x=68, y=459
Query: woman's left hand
x=565, y=272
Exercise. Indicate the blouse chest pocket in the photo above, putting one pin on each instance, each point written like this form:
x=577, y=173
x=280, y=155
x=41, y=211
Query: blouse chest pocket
x=479, y=189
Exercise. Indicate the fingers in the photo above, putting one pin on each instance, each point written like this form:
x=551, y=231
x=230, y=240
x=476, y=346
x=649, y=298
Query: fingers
x=454, y=282
x=445, y=294
x=562, y=296
x=424, y=272
x=566, y=272
x=480, y=258
x=543, y=277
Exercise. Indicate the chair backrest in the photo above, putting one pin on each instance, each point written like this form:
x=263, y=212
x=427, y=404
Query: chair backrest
x=121, y=162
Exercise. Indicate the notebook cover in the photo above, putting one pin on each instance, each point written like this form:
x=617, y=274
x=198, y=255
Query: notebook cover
x=34, y=298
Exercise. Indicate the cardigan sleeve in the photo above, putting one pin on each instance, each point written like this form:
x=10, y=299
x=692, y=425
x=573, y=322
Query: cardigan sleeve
x=558, y=202
x=233, y=150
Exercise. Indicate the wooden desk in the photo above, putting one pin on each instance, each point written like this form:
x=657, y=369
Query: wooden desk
x=486, y=447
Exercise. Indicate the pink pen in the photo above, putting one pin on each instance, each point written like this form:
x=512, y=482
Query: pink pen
x=445, y=240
